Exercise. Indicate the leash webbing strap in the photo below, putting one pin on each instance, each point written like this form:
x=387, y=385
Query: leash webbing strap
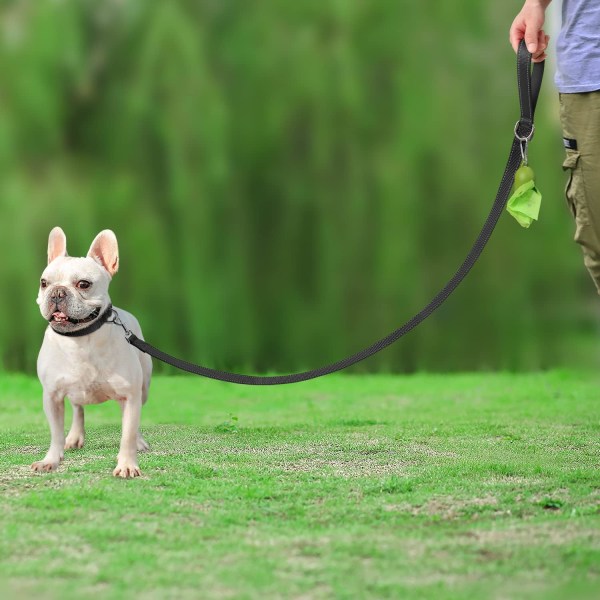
x=529, y=83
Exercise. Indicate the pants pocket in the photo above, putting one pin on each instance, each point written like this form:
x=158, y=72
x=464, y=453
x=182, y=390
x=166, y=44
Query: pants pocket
x=575, y=190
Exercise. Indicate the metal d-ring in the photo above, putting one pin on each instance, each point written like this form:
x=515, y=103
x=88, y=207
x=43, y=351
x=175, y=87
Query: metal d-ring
x=527, y=138
x=524, y=141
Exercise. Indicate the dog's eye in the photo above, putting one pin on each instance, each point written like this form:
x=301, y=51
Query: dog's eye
x=83, y=284
x=43, y=283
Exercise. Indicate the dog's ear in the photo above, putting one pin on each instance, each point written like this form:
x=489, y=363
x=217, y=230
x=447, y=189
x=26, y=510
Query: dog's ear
x=105, y=250
x=57, y=244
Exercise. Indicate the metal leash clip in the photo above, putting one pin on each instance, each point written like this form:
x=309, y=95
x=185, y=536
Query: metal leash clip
x=524, y=140
x=117, y=321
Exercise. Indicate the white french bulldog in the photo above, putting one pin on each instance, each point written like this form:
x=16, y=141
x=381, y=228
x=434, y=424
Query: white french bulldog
x=85, y=356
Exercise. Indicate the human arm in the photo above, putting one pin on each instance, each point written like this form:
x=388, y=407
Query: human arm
x=528, y=25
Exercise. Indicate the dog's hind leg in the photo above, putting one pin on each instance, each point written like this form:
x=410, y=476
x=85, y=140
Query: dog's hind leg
x=142, y=445
x=76, y=435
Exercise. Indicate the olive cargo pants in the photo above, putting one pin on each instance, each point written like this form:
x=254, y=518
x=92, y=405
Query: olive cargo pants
x=580, y=119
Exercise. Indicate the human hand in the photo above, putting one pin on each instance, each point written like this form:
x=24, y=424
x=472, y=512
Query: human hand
x=528, y=25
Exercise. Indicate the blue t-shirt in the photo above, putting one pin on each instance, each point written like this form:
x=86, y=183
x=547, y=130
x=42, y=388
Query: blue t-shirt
x=578, y=47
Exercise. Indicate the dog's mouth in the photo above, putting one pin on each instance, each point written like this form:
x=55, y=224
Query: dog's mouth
x=60, y=318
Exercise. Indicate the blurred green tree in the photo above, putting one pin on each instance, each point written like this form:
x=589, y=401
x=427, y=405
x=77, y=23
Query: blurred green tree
x=288, y=180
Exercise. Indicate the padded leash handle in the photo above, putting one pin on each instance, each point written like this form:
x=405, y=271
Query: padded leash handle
x=529, y=83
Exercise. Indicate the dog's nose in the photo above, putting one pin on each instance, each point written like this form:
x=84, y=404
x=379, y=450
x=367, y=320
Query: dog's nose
x=58, y=293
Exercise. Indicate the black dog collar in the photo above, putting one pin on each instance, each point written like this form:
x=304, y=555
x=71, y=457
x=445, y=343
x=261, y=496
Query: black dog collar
x=95, y=325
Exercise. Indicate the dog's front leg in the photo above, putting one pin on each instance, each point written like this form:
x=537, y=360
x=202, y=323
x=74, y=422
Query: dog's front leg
x=54, y=407
x=127, y=465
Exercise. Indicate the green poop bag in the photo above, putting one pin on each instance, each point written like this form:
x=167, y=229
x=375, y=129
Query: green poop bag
x=524, y=203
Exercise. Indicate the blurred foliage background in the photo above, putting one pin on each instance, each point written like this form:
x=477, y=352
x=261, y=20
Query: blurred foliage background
x=288, y=181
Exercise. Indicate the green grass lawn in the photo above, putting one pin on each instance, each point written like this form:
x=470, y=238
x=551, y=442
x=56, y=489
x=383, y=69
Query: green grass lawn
x=424, y=486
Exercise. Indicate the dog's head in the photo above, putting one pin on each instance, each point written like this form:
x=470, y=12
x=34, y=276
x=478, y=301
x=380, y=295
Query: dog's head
x=74, y=291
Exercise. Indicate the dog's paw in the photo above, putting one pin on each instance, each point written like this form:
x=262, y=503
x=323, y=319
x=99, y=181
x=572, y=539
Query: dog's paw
x=127, y=469
x=74, y=441
x=43, y=466
x=142, y=444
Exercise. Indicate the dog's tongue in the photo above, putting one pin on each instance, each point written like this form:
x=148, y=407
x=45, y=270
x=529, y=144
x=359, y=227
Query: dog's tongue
x=60, y=317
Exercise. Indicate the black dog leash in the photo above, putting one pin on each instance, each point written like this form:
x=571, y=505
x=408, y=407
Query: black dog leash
x=529, y=83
